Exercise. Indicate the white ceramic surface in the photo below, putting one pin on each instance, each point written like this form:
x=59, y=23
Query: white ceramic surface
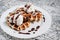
x=44, y=26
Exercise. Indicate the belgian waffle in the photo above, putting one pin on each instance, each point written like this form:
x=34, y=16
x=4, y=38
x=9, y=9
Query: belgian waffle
x=27, y=17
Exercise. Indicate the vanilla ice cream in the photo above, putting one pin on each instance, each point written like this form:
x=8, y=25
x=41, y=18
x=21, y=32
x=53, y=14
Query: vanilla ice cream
x=18, y=19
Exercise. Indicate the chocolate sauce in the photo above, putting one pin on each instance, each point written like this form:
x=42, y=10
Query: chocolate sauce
x=44, y=18
x=15, y=25
x=16, y=18
x=27, y=6
x=23, y=33
x=25, y=19
x=29, y=31
x=15, y=29
x=12, y=21
x=31, y=12
x=22, y=9
x=33, y=32
x=36, y=11
x=32, y=29
x=37, y=27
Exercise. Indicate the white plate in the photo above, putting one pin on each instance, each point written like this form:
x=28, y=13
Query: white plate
x=44, y=27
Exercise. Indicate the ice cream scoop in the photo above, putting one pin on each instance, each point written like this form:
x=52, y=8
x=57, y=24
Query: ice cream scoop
x=17, y=19
x=20, y=20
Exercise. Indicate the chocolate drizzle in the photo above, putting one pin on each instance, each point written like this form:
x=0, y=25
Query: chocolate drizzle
x=37, y=27
x=44, y=18
x=32, y=29
x=12, y=21
x=23, y=33
x=16, y=19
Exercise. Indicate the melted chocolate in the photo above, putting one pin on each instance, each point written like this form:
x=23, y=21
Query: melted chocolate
x=23, y=33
